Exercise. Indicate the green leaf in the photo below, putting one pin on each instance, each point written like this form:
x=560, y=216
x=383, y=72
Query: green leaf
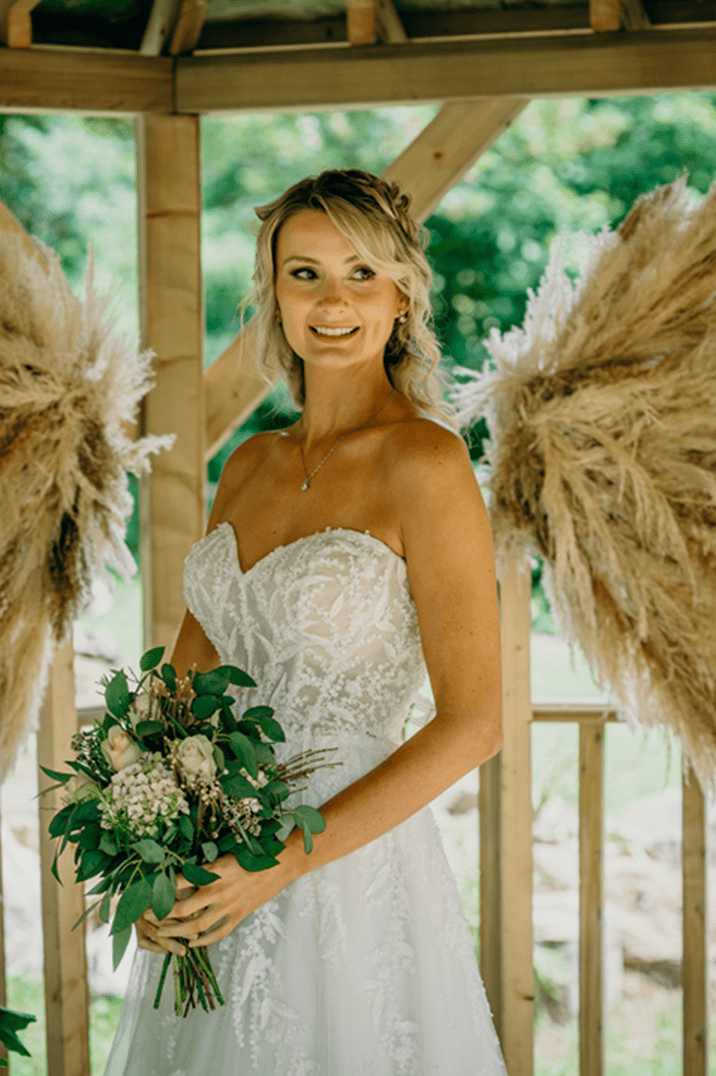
x=134, y=902
x=93, y=862
x=86, y=912
x=244, y=751
x=169, y=676
x=314, y=820
x=250, y=862
x=255, y=712
x=149, y=850
x=203, y=706
x=186, y=827
x=120, y=941
x=219, y=759
x=63, y=778
x=116, y=694
x=214, y=682
x=278, y=789
x=108, y=844
x=90, y=836
x=272, y=730
x=102, y=886
x=151, y=658
x=236, y=676
x=58, y=824
x=264, y=754
x=105, y=907
x=149, y=728
x=16, y=1021
x=85, y=812
x=227, y=718
x=162, y=896
x=197, y=875
x=210, y=851
x=238, y=787
x=11, y=1041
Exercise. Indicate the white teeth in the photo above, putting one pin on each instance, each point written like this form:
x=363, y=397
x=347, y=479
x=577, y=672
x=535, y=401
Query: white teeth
x=331, y=332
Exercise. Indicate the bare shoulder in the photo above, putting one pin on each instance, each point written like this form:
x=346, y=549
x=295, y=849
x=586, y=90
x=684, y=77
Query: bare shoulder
x=240, y=464
x=420, y=450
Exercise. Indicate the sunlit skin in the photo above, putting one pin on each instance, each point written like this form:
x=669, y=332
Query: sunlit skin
x=410, y=482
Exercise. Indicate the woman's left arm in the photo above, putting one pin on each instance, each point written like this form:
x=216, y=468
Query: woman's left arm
x=448, y=550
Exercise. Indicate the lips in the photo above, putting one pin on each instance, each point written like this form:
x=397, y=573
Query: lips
x=333, y=331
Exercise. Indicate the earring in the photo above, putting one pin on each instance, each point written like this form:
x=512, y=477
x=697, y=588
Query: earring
x=277, y=315
x=403, y=318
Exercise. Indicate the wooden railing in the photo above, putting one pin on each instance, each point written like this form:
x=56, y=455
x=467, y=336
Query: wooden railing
x=505, y=888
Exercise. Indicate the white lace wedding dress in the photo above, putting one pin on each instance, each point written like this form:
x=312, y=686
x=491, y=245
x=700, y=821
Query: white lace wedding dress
x=364, y=967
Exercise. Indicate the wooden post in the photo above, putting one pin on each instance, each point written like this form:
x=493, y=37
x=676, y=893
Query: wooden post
x=66, y=994
x=591, y=899
x=518, y=995
x=172, y=506
x=694, y=966
x=491, y=956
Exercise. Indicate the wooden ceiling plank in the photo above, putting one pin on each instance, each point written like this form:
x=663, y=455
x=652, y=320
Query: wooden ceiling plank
x=189, y=26
x=160, y=24
x=590, y=65
x=64, y=80
x=362, y=22
x=433, y=163
x=390, y=25
x=442, y=153
x=19, y=24
x=634, y=16
x=604, y=15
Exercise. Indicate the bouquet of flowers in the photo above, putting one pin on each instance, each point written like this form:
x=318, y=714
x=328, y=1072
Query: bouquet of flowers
x=168, y=781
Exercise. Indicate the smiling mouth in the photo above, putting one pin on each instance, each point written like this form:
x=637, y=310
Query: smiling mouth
x=322, y=330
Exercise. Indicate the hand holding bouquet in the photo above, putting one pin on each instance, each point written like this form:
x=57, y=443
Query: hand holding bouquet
x=165, y=784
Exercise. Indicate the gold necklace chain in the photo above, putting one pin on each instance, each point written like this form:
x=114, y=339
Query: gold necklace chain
x=308, y=476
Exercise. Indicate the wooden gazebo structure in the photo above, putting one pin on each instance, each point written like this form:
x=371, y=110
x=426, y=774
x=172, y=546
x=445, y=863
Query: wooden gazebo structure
x=167, y=63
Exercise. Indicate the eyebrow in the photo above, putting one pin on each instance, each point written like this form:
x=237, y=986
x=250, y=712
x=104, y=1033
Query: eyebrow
x=312, y=261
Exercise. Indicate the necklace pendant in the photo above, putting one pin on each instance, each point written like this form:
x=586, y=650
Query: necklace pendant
x=305, y=485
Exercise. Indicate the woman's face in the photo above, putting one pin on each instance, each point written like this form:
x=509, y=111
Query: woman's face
x=336, y=311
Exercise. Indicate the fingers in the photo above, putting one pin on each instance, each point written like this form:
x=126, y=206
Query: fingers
x=222, y=928
x=189, y=927
x=147, y=938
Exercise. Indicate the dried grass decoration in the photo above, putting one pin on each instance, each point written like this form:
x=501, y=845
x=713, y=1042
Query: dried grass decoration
x=69, y=386
x=602, y=414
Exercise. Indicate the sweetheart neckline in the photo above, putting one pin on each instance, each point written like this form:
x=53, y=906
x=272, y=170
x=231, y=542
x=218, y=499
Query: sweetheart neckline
x=298, y=541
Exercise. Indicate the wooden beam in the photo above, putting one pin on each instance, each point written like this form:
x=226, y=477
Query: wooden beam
x=49, y=80
x=66, y=994
x=578, y=712
x=444, y=151
x=490, y=875
x=19, y=24
x=597, y=65
x=604, y=15
x=518, y=996
x=361, y=22
x=695, y=966
x=634, y=16
x=172, y=502
x=390, y=25
x=160, y=24
x=591, y=900
x=192, y=17
x=436, y=159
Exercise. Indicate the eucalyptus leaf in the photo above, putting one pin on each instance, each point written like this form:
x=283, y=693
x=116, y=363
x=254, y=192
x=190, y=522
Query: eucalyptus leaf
x=214, y=682
x=314, y=820
x=162, y=896
x=134, y=902
x=120, y=941
x=105, y=908
x=151, y=658
x=149, y=850
x=186, y=827
x=250, y=862
x=244, y=751
x=108, y=844
x=117, y=695
x=238, y=787
x=210, y=850
x=63, y=778
x=197, y=875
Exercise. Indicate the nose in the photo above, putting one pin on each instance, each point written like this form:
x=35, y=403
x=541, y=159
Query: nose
x=331, y=292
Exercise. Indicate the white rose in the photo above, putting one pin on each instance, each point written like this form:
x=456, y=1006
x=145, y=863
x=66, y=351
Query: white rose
x=119, y=749
x=196, y=757
x=140, y=709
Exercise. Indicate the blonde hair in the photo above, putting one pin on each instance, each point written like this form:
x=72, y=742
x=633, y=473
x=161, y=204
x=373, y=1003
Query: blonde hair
x=373, y=217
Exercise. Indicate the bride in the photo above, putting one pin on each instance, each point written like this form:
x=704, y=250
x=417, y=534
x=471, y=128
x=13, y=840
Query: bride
x=344, y=556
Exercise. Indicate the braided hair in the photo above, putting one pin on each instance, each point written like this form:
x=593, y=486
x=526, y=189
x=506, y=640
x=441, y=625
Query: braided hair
x=373, y=215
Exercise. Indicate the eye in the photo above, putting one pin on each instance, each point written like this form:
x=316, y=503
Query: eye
x=299, y=273
x=363, y=273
